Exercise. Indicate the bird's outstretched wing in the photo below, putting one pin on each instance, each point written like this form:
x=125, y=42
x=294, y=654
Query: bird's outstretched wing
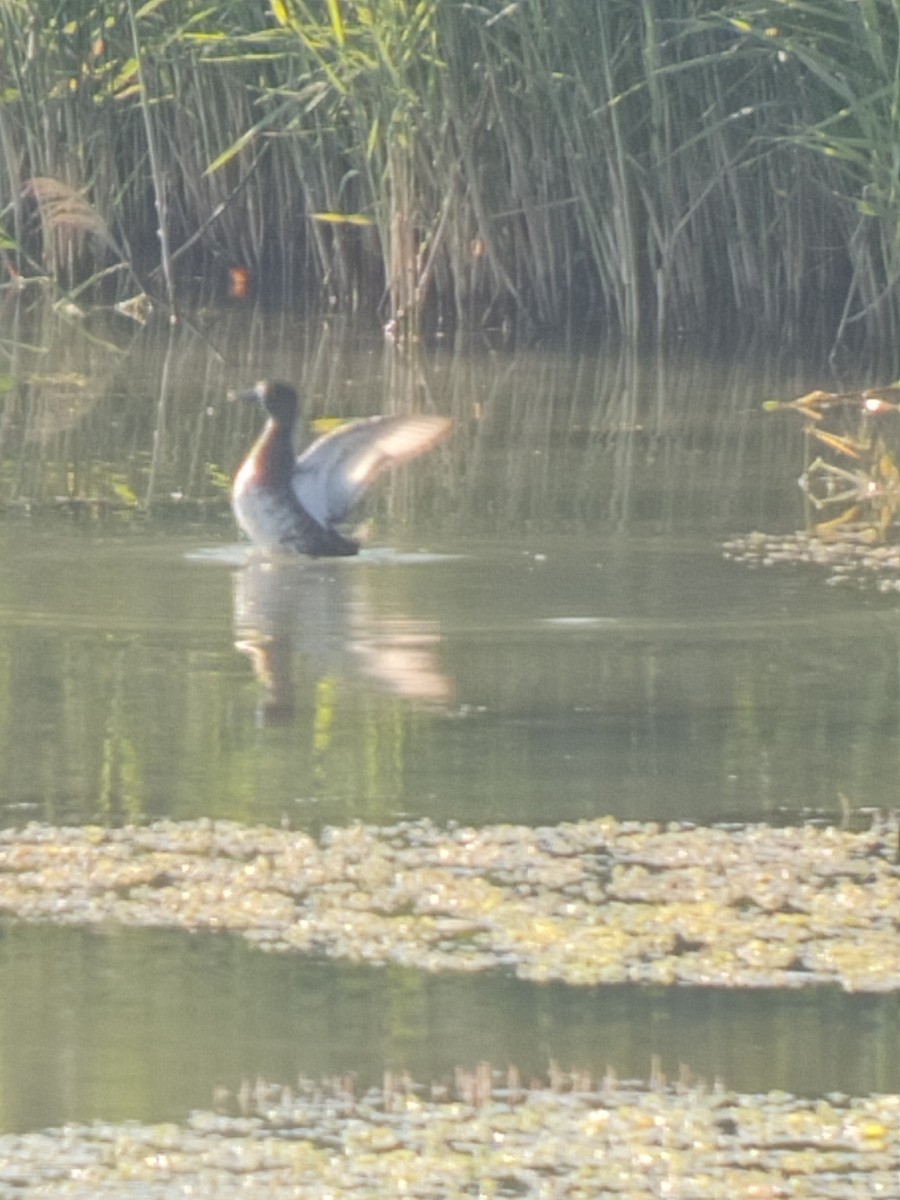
x=332, y=473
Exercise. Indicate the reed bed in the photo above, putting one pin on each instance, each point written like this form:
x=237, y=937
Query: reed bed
x=439, y=161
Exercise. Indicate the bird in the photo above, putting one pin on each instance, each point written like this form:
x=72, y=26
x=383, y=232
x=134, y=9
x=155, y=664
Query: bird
x=283, y=502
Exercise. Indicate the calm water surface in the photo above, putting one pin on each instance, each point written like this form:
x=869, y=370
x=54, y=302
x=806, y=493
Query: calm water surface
x=543, y=628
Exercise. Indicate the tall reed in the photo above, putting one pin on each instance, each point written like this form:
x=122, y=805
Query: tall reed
x=660, y=167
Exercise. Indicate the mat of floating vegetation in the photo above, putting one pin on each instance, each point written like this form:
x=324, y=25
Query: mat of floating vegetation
x=597, y=901
x=852, y=555
x=569, y=1140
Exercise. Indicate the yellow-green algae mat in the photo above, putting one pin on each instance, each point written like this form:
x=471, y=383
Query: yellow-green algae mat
x=590, y=902
x=573, y=1140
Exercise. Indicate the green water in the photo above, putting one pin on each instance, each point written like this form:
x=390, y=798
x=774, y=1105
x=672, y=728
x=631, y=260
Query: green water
x=146, y=1025
x=542, y=628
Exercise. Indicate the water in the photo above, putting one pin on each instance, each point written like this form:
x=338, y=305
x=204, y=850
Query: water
x=543, y=628
x=145, y=1025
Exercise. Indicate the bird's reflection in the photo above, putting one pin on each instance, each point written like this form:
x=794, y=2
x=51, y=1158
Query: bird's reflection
x=299, y=621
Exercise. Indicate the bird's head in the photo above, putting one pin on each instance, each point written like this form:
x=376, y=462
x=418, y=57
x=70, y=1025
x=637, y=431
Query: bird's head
x=278, y=399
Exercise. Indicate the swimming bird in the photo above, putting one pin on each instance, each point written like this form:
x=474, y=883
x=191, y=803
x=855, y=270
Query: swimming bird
x=284, y=502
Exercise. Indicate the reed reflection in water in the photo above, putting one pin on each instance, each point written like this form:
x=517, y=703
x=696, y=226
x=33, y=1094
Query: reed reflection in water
x=584, y=437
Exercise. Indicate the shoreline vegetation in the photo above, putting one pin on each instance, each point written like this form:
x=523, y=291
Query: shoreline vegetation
x=662, y=169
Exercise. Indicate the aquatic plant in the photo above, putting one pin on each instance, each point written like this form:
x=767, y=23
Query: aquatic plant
x=484, y=1130
x=854, y=476
x=475, y=164
x=591, y=902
